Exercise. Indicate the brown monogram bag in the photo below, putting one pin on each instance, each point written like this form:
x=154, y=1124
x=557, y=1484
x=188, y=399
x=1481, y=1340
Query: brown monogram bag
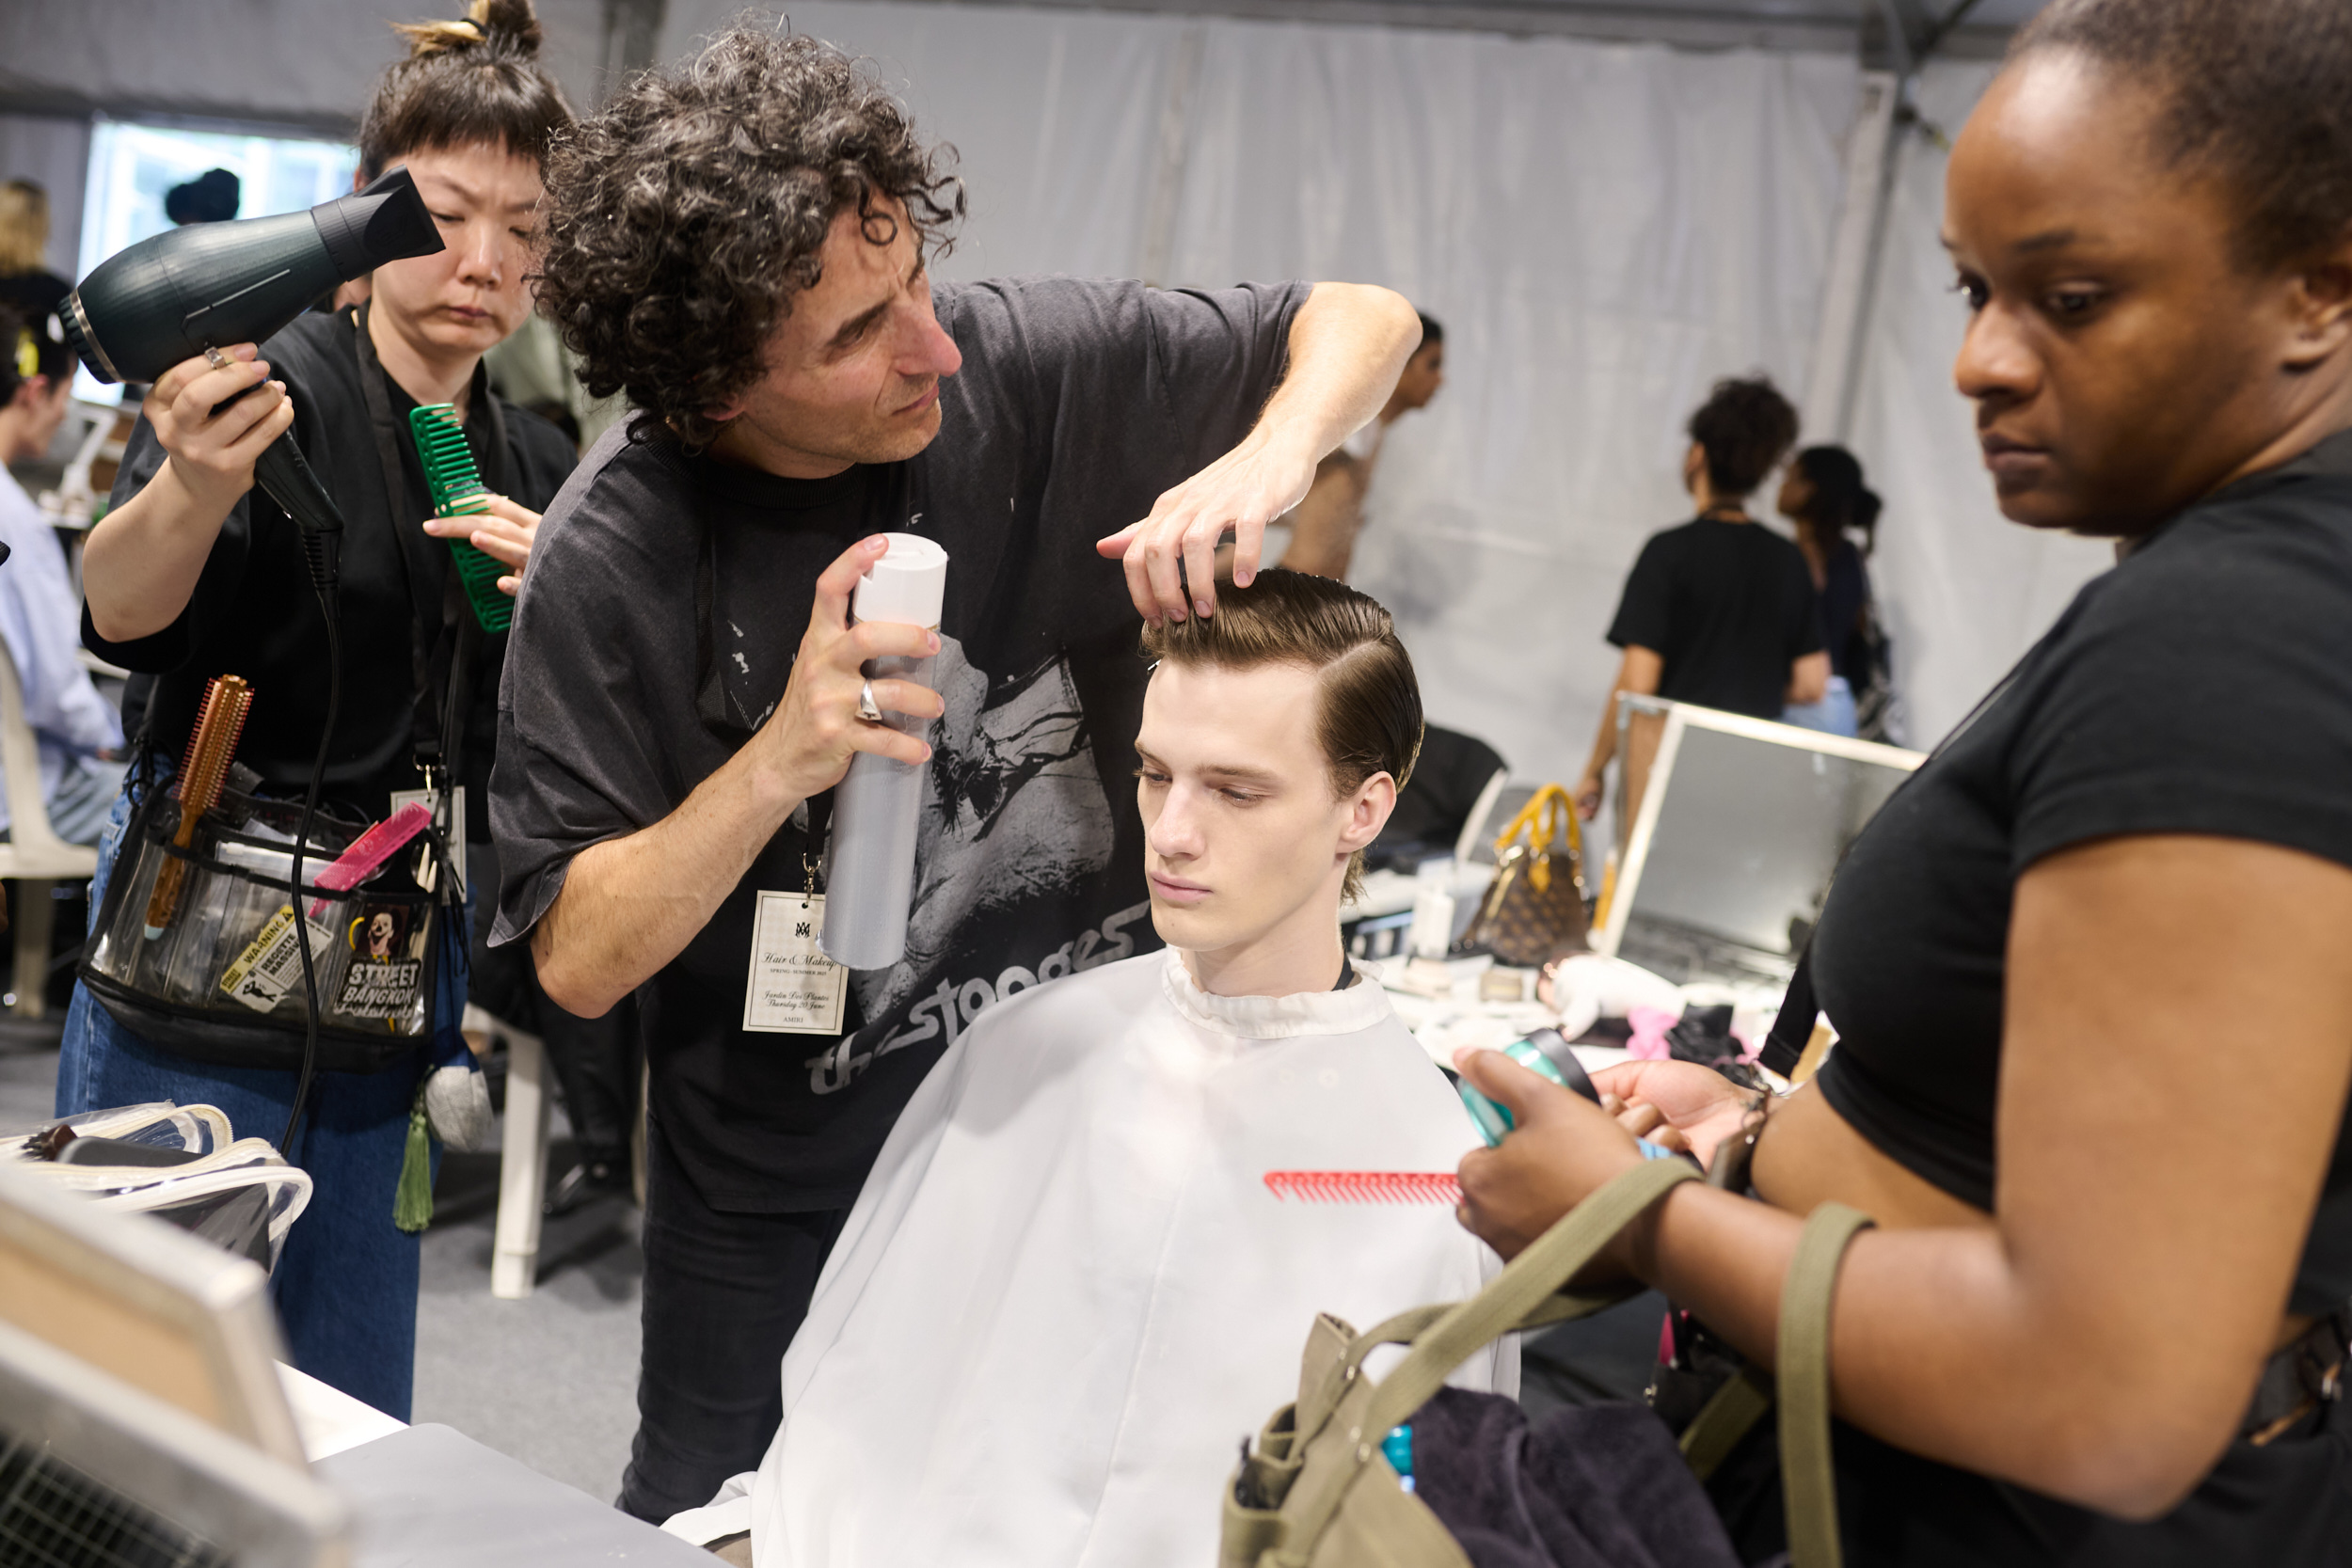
x=1533, y=911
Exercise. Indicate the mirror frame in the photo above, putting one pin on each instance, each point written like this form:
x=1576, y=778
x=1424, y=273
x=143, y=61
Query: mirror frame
x=1678, y=719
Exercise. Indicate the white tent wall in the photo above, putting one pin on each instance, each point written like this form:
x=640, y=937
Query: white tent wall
x=1603, y=229
x=1964, y=591
x=257, y=61
x=1054, y=117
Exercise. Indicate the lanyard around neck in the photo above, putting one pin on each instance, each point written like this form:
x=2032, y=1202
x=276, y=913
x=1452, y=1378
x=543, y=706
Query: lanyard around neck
x=436, y=744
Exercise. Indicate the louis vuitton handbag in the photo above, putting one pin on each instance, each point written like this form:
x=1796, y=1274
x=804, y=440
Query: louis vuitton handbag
x=1533, y=911
x=1319, y=1487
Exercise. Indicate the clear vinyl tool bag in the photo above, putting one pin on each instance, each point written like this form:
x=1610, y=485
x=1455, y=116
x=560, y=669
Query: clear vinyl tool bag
x=195, y=948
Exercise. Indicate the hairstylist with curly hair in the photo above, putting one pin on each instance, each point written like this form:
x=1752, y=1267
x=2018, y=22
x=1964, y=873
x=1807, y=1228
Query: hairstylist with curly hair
x=741, y=245
x=194, y=574
x=2088, y=964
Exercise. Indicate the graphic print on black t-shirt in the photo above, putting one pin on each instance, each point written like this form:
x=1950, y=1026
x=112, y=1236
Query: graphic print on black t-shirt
x=1078, y=404
x=1012, y=772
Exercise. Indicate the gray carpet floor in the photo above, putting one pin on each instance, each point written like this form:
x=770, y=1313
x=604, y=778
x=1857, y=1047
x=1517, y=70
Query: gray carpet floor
x=550, y=1380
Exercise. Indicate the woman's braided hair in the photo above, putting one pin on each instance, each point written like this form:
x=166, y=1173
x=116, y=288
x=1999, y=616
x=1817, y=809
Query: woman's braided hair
x=682, y=218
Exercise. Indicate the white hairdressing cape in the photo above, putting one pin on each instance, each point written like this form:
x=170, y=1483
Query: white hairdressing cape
x=1066, y=1293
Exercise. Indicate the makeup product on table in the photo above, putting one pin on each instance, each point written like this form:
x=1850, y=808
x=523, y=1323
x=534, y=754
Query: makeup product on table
x=869, y=874
x=458, y=492
x=210, y=749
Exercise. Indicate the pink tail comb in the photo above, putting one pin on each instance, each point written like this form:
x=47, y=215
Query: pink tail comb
x=1364, y=1186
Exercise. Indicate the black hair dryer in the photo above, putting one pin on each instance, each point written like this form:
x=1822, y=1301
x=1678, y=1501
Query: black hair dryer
x=173, y=296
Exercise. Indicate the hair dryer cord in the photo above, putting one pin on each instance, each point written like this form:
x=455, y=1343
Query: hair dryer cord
x=301, y=848
x=288, y=479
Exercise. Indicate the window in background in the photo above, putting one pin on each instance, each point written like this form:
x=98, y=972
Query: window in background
x=132, y=166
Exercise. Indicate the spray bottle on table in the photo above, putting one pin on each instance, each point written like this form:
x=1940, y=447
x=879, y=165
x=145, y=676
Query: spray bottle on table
x=869, y=870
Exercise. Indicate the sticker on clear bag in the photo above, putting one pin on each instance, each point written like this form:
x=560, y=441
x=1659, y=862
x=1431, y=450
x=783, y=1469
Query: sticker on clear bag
x=382, y=979
x=271, y=963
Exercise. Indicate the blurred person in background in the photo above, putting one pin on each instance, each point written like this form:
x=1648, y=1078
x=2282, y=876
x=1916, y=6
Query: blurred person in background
x=211, y=196
x=80, y=735
x=1721, y=611
x=1824, y=496
x=26, y=284
x=1324, y=526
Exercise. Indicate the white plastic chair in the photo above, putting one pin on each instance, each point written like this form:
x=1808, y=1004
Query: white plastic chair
x=34, y=856
x=523, y=1155
x=522, y=1165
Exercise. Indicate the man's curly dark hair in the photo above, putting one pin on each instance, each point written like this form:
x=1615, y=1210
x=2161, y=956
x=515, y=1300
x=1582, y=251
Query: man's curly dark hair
x=681, y=219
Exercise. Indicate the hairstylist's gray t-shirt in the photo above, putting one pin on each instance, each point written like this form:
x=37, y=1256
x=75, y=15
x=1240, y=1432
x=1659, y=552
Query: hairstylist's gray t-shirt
x=1077, y=404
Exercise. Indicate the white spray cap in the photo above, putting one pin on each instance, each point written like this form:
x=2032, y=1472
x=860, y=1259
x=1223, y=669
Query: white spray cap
x=906, y=586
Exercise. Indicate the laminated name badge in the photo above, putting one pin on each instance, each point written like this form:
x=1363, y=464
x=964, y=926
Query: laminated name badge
x=794, y=988
x=272, y=962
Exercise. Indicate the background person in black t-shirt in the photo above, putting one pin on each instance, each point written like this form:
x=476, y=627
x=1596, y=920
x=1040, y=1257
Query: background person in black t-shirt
x=2089, y=965
x=1719, y=611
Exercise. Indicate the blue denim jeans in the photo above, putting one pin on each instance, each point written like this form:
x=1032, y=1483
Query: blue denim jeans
x=346, y=1283
x=1833, y=715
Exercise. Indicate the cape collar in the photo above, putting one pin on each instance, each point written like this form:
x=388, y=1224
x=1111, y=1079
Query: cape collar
x=1270, y=1018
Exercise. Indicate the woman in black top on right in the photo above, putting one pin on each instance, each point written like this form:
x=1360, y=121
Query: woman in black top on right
x=2089, y=965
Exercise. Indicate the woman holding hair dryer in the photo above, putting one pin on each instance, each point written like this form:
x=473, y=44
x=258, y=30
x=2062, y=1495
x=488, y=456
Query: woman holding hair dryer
x=193, y=573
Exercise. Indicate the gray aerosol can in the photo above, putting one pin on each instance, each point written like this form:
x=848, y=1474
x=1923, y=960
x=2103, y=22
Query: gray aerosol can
x=870, y=869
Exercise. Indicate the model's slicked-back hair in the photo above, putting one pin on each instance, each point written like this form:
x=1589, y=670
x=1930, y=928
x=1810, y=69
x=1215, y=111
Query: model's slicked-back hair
x=1368, y=718
x=684, y=215
x=473, y=82
x=2257, y=93
x=1744, y=427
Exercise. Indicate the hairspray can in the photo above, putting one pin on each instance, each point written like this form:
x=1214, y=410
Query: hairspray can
x=869, y=870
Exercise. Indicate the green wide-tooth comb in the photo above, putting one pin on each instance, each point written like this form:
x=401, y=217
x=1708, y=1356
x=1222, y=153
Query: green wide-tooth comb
x=458, y=492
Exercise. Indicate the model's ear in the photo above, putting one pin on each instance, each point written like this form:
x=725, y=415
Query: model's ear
x=1368, y=812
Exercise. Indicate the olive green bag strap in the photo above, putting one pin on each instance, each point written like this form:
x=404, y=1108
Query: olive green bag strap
x=1524, y=1290
x=1808, y=1475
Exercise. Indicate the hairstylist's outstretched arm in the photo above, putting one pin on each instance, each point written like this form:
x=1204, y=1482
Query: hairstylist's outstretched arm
x=1347, y=345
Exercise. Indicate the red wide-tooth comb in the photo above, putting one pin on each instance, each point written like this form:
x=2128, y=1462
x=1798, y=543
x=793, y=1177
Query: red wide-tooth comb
x=1365, y=1186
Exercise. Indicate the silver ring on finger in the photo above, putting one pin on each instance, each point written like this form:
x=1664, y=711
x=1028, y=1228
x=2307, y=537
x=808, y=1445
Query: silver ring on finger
x=867, y=708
